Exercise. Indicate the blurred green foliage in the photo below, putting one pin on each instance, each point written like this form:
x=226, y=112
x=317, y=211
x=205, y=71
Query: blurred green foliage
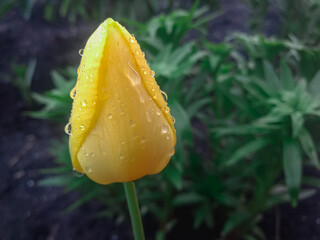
x=247, y=115
x=299, y=18
x=22, y=79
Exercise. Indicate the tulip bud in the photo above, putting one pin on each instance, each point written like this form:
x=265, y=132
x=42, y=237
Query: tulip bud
x=121, y=126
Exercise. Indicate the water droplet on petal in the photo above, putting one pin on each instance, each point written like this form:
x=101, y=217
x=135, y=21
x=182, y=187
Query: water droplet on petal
x=131, y=123
x=168, y=137
x=167, y=109
x=92, y=154
x=81, y=52
x=173, y=120
x=73, y=93
x=152, y=73
x=143, y=54
x=142, y=100
x=143, y=139
x=82, y=127
x=77, y=174
x=121, y=157
x=158, y=112
x=67, y=128
x=171, y=152
x=89, y=170
x=148, y=116
x=137, y=52
x=165, y=96
x=109, y=115
x=164, y=128
x=135, y=78
x=131, y=40
x=123, y=142
x=83, y=103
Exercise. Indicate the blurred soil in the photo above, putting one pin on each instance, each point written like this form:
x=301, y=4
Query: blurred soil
x=29, y=211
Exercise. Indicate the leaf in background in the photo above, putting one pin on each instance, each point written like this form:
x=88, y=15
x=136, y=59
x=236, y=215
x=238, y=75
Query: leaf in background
x=203, y=214
x=314, y=86
x=287, y=80
x=189, y=198
x=297, y=122
x=270, y=76
x=292, y=166
x=309, y=147
x=247, y=149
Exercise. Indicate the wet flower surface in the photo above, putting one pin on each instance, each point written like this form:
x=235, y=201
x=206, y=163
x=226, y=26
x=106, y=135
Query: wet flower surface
x=120, y=128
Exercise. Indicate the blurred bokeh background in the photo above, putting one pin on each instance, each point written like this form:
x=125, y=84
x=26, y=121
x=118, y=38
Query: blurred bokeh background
x=243, y=80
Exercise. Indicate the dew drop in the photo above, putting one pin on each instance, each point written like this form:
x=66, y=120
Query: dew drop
x=143, y=139
x=83, y=103
x=77, y=174
x=135, y=78
x=167, y=109
x=131, y=123
x=143, y=54
x=153, y=89
x=123, y=142
x=86, y=154
x=131, y=40
x=168, y=137
x=164, y=128
x=171, y=152
x=67, y=128
x=73, y=93
x=81, y=52
x=152, y=73
x=92, y=154
x=89, y=170
x=121, y=157
x=148, y=116
x=137, y=52
x=158, y=112
x=109, y=115
x=142, y=100
x=173, y=120
x=82, y=127
x=165, y=96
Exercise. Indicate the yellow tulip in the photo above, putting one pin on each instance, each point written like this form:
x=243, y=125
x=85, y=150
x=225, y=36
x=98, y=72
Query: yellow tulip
x=121, y=128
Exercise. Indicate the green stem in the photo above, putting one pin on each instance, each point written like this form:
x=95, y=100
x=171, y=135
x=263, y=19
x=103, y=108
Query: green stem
x=133, y=205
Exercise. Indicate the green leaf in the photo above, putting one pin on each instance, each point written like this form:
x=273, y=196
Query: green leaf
x=286, y=76
x=292, y=165
x=309, y=147
x=247, y=149
x=60, y=180
x=203, y=214
x=187, y=199
x=271, y=76
x=297, y=123
x=314, y=86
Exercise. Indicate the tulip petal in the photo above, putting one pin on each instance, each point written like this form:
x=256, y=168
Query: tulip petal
x=124, y=131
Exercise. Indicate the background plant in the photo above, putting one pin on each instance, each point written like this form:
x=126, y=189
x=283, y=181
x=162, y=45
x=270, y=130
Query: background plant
x=246, y=115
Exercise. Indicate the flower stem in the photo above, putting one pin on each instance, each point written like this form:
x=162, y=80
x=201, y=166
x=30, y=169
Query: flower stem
x=133, y=205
